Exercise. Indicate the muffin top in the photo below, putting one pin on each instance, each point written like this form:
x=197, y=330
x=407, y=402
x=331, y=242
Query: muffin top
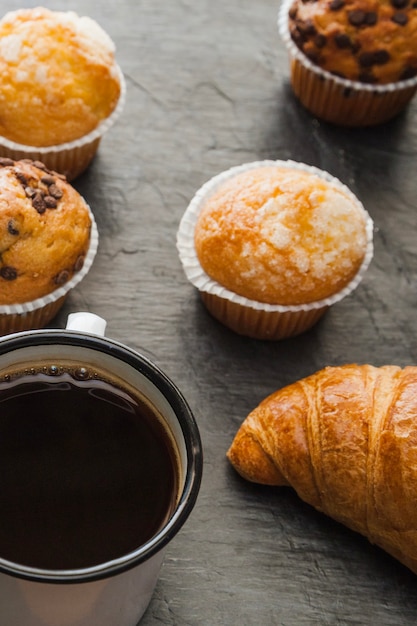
x=370, y=41
x=44, y=231
x=58, y=76
x=280, y=235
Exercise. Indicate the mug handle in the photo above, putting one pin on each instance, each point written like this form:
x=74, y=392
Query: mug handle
x=86, y=322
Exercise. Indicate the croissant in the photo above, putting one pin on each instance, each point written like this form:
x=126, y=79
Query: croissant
x=345, y=438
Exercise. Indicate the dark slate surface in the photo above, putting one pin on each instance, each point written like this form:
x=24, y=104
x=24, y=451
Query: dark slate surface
x=208, y=88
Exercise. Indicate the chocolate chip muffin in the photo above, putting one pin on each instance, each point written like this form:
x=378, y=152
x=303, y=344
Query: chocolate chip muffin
x=45, y=228
x=371, y=41
x=353, y=62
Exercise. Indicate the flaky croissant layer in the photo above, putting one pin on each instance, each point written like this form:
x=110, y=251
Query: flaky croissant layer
x=345, y=439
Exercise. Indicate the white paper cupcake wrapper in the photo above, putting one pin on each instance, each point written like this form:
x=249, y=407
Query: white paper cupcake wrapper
x=28, y=307
x=296, y=53
x=195, y=273
x=97, y=133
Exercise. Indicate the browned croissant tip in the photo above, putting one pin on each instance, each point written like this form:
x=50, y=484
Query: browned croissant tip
x=250, y=461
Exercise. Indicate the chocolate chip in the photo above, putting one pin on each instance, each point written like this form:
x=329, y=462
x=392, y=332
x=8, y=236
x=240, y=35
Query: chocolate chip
x=356, y=18
x=366, y=59
x=371, y=18
x=8, y=273
x=5, y=162
x=22, y=178
x=381, y=57
x=50, y=202
x=48, y=180
x=62, y=277
x=362, y=18
x=79, y=263
x=55, y=191
x=320, y=40
x=297, y=37
x=342, y=41
x=38, y=202
x=307, y=28
x=399, y=4
x=378, y=57
x=11, y=228
x=40, y=165
x=335, y=5
x=400, y=18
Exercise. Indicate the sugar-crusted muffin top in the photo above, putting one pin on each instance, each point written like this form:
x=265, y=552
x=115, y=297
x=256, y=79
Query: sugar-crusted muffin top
x=371, y=41
x=281, y=236
x=58, y=76
x=45, y=228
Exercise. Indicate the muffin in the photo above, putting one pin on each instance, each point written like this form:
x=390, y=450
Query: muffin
x=271, y=245
x=60, y=87
x=353, y=62
x=48, y=240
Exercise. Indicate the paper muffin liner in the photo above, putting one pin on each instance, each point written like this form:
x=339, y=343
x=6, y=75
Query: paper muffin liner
x=73, y=157
x=37, y=313
x=249, y=317
x=339, y=100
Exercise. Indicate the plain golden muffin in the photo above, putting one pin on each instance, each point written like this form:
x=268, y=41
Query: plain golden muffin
x=58, y=76
x=44, y=231
x=279, y=235
x=370, y=41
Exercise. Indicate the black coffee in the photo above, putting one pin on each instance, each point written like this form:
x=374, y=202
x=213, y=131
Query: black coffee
x=88, y=472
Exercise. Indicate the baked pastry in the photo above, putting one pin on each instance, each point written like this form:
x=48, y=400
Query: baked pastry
x=363, y=52
x=59, y=80
x=45, y=235
x=345, y=439
x=281, y=236
x=277, y=237
x=371, y=41
x=58, y=76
